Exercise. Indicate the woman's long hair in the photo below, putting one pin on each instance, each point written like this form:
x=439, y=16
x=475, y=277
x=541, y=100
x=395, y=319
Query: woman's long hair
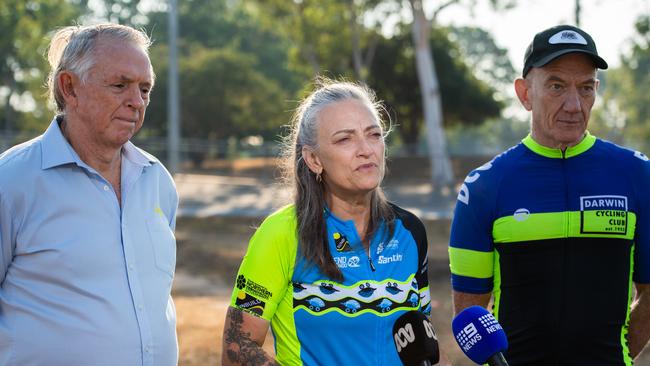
x=309, y=192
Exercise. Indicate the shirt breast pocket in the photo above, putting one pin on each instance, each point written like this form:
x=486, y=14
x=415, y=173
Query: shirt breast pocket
x=163, y=244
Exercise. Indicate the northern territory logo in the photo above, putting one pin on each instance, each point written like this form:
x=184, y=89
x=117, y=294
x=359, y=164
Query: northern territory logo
x=253, y=288
x=606, y=214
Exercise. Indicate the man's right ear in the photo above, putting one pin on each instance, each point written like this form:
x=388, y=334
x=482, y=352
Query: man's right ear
x=66, y=83
x=522, y=88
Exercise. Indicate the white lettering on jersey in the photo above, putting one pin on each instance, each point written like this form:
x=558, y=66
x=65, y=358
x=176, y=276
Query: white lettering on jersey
x=463, y=194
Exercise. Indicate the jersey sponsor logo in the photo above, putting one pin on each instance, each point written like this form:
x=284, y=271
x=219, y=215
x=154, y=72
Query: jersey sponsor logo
x=392, y=245
x=521, y=214
x=345, y=262
x=463, y=193
x=342, y=243
x=389, y=259
x=250, y=303
x=253, y=288
x=606, y=214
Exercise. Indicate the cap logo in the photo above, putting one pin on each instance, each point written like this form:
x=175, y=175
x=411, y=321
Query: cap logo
x=567, y=36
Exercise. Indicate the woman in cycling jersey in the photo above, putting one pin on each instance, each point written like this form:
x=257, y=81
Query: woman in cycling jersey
x=331, y=272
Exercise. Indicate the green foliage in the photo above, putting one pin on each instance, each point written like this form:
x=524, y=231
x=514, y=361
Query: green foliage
x=233, y=73
x=465, y=99
x=222, y=95
x=122, y=12
x=626, y=99
x=324, y=34
x=485, y=58
x=25, y=27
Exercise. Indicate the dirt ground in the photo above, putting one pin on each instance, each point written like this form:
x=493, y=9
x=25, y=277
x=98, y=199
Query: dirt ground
x=209, y=252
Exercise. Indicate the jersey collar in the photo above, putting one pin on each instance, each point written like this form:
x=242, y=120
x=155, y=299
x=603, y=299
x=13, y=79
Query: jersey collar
x=587, y=142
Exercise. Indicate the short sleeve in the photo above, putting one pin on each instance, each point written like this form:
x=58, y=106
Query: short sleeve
x=266, y=270
x=471, y=248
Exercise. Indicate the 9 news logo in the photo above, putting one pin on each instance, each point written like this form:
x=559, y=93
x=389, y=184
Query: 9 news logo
x=468, y=337
x=405, y=334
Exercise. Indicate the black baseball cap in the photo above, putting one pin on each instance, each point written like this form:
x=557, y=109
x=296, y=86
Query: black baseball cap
x=556, y=41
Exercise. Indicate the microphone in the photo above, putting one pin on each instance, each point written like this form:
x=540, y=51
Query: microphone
x=480, y=336
x=415, y=340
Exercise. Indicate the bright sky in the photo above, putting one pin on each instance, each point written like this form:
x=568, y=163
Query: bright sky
x=609, y=22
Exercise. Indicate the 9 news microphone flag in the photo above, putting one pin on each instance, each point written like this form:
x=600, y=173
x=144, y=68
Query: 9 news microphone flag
x=480, y=336
x=415, y=340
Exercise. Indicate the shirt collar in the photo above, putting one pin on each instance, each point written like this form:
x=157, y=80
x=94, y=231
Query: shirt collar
x=587, y=142
x=57, y=150
x=136, y=155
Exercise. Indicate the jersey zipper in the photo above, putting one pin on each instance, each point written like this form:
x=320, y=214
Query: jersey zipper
x=372, y=266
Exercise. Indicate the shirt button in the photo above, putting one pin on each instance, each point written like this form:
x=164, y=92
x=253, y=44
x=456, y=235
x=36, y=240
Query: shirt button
x=106, y=187
x=140, y=307
x=130, y=267
x=147, y=349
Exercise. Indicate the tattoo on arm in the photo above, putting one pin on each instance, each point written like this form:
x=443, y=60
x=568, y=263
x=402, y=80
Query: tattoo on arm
x=239, y=347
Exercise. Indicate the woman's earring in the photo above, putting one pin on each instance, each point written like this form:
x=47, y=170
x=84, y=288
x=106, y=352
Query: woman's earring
x=319, y=179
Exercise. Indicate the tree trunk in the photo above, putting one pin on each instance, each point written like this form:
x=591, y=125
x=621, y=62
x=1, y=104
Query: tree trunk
x=356, y=44
x=441, y=173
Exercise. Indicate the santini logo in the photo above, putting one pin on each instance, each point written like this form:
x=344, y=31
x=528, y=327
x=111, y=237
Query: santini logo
x=468, y=337
x=389, y=259
x=567, y=36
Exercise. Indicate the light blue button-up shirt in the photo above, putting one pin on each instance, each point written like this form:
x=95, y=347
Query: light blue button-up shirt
x=84, y=281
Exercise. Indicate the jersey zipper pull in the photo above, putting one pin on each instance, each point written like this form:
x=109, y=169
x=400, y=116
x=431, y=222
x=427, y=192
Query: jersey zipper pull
x=372, y=266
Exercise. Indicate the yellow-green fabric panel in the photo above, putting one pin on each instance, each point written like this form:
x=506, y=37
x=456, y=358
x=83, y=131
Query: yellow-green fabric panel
x=283, y=325
x=625, y=328
x=268, y=265
x=471, y=263
x=554, y=225
x=587, y=142
x=496, y=287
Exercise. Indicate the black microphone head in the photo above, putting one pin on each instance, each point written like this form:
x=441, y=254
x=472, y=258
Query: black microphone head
x=415, y=339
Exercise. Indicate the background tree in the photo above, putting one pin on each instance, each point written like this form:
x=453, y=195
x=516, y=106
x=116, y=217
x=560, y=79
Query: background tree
x=465, y=99
x=335, y=38
x=441, y=174
x=233, y=73
x=26, y=27
x=626, y=99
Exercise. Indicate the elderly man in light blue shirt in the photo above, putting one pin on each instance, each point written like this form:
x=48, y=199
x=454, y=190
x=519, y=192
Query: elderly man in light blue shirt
x=87, y=251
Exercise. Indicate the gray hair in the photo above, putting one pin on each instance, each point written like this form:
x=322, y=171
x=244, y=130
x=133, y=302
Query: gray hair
x=72, y=49
x=309, y=194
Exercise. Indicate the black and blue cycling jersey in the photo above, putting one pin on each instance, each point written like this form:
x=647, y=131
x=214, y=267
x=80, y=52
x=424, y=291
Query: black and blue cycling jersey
x=558, y=237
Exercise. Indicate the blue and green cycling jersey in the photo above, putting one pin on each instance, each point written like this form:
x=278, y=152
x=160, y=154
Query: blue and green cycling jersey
x=558, y=237
x=318, y=321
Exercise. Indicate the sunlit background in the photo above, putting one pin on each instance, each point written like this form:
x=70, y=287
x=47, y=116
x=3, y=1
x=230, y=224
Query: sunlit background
x=242, y=67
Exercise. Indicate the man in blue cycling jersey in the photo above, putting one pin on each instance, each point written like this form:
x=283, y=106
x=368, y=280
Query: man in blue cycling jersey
x=556, y=230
